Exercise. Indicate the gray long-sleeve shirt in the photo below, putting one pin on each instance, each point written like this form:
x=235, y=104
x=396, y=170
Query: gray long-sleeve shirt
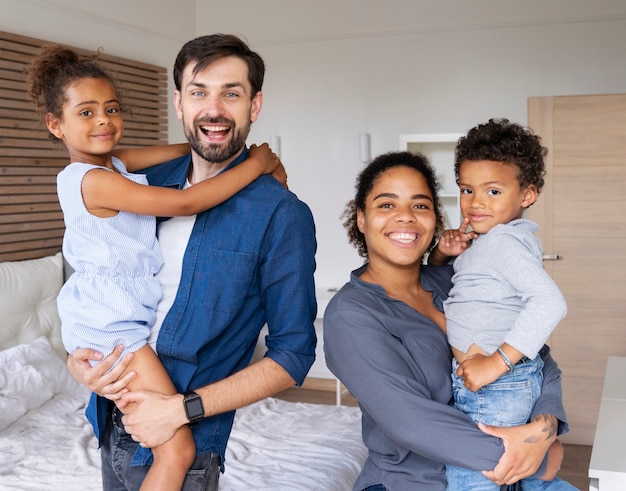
x=396, y=362
x=502, y=294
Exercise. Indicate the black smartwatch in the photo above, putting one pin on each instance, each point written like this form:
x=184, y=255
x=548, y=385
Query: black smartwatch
x=193, y=407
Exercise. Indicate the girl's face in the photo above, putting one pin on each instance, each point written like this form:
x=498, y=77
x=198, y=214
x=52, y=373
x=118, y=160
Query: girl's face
x=91, y=125
x=491, y=194
x=399, y=218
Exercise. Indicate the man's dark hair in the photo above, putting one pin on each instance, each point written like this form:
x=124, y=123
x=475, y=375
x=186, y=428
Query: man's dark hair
x=203, y=50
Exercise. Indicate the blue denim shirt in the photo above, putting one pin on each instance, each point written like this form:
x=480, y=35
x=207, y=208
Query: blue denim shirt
x=248, y=262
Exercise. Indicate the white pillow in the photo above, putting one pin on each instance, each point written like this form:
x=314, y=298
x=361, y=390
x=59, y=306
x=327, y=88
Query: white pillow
x=28, y=309
x=30, y=375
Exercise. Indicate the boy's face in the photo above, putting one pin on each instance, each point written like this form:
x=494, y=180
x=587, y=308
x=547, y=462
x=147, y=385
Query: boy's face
x=491, y=193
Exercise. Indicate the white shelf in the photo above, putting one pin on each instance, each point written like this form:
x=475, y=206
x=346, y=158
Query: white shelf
x=439, y=149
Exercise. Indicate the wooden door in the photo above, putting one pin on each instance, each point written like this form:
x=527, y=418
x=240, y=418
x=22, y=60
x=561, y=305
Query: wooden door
x=582, y=218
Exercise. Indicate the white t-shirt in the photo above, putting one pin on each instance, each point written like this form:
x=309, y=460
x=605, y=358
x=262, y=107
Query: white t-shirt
x=173, y=237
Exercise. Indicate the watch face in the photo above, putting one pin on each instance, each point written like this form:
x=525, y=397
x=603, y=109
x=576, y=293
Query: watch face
x=194, y=408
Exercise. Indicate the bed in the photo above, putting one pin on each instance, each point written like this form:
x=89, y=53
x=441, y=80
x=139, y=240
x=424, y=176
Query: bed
x=46, y=443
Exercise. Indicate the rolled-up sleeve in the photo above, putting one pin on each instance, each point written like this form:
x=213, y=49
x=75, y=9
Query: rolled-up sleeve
x=287, y=283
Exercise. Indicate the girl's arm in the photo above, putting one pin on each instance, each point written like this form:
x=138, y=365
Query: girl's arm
x=136, y=159
x=105, y=192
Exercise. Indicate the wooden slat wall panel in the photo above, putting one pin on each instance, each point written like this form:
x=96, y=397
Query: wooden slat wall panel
x=31, y=222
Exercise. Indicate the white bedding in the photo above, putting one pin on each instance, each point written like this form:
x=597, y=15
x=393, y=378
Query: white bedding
x=279, y=445
x=45, y=440
x=47, y=444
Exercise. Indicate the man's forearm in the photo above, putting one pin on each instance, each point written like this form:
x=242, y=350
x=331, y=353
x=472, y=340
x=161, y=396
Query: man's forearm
x=261, y=379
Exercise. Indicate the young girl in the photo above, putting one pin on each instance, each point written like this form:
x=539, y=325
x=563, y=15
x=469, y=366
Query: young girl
x=503, y=305
x=110, y=239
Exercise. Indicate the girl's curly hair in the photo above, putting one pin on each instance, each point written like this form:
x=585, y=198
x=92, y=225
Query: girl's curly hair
x=52, y=71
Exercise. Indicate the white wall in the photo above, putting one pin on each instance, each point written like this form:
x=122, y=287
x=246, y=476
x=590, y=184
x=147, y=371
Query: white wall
x=151, y=31
x=336, y=68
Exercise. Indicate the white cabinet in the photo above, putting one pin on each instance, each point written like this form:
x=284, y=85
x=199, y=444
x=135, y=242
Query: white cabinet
x=439, y=149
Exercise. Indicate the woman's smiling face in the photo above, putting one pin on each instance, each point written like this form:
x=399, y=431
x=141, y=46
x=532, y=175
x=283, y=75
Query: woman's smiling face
x=399, y=218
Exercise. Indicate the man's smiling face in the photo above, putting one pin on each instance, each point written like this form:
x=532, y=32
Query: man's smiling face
x=217, y=108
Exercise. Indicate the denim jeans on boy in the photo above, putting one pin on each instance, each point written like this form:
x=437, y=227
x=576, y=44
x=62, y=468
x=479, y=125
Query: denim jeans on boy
x=508, y=401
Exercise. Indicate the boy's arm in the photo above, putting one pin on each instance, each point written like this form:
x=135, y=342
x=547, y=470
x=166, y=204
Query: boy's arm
x=479, y=370
x=136, y=159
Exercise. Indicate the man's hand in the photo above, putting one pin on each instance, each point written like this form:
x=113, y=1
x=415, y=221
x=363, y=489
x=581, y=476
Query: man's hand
x=110, y=384
x=155, y=417
x=525, y=447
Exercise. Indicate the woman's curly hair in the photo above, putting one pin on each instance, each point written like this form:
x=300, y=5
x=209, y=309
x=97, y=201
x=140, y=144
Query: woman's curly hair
x=52, y=71
x=365, y=183
x=499, y=140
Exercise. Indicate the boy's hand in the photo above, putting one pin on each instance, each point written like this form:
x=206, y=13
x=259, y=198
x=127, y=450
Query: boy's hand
x=451, y=244
x=454, y=242
x=479, y=370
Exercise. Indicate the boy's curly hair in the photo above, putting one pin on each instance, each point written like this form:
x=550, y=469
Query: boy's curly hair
x=499, y=140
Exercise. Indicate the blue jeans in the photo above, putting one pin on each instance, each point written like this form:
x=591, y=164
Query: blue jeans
x=508, y=401
x=118, y=449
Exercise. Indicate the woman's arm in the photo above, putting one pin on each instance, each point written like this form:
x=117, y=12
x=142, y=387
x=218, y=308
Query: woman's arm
x=139, y=158
x=105, y=193
x=379, y=376
x=397, y=389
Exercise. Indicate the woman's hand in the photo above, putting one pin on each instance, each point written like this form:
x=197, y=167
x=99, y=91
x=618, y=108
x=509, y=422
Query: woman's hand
x=102, y=379
x=525, y=447
x=555, y=459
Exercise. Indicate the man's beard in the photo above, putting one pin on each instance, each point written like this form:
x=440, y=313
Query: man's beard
x=213, y=152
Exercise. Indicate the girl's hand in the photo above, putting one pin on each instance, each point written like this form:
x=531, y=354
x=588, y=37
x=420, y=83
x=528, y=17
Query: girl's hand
x=272, y=163
x=264, y=155
x=280, y=174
